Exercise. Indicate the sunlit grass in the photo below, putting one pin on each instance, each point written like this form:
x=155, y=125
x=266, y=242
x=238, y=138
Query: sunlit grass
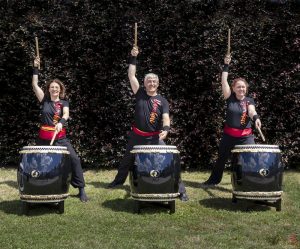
x=208, y=220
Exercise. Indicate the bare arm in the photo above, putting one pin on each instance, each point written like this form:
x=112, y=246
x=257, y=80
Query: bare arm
x=166, y=122
x=66, y=113
x=132, y=71
x=35, y=78
x=252, y=112
x=65, y=116
x=225, y=86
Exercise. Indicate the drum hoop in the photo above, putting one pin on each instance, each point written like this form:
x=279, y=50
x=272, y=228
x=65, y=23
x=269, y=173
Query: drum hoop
x=43, y=198
x=266, y=146
x=44, y=149
x=271, y=195
x=45, y=152
x=174, y=151
x=154, y=149
x=155, y=196
x=152, y=146
x=258, y=193
x=256, y=150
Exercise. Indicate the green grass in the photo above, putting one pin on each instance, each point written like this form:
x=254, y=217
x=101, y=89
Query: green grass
x=208, y=220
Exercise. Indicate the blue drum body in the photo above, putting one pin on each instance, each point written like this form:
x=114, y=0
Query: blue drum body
x=44, y=173
x=156, y=172
x=257, y=172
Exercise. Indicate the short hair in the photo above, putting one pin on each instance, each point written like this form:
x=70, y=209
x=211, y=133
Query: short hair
x=61, y=85
x=151, y=75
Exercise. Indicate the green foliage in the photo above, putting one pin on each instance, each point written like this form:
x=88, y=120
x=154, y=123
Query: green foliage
x=87, y=43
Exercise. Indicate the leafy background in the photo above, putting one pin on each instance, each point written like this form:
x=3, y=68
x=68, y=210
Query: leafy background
x=87, y=45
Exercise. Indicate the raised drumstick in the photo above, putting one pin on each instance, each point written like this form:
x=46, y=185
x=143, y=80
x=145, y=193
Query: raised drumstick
x=37, y=48
x=228, y=42
x=135, y=34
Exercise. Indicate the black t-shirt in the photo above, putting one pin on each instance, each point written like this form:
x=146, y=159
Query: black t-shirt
x=237, y=112
x=52, y=112
x=148, y=111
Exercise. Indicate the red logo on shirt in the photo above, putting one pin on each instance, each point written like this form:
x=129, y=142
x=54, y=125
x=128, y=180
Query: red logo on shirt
x=153, y=114
x=244, y=105
x=57, y=107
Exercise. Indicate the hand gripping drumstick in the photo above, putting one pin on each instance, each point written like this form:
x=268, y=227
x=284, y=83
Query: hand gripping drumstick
x=135, y=34
x=228, y=42
x=37, y=48
x=53, y=138
x=261, y=134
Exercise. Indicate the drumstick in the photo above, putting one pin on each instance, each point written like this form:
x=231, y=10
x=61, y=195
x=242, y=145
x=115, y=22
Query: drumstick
x=37, y=48
x=261, y=134
x=53, y=138
x=135, y=34
x=228, y=42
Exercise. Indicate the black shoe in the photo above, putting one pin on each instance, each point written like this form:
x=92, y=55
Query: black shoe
x=183, y=196
x=114, y=183
x=82, y=195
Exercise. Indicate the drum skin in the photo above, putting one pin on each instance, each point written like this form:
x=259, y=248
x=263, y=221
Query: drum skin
x=156, y=169
x=44, y=170
x=256, y=168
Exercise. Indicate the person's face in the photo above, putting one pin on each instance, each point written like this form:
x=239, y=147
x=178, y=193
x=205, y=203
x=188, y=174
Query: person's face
x=54, y=89
x=240, y=88
x=151, y=84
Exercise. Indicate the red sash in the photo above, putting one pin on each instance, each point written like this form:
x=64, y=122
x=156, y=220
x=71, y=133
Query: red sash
x=144, y=133
x=46, y=132
x=234, y=132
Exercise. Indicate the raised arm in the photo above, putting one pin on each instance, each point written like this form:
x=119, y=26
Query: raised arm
x=35, y=79
x=225, y=86
x=132, y=70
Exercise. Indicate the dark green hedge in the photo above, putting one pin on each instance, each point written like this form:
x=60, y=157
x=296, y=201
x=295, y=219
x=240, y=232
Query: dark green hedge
x=87, y=45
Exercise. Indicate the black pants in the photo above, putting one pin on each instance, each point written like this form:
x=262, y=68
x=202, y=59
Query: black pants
x=77, y=180
x=226, y=145
x=128, y=159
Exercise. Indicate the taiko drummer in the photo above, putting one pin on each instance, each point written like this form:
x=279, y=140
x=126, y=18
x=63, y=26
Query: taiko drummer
x=240, y=113
x=151, y=120
x=54, y=115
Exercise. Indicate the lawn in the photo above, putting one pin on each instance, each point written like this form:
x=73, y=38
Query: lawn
x=208, y=220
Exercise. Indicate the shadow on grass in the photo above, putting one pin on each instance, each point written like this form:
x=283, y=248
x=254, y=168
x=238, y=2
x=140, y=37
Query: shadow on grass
x=200, y=185
x=228, y=205
x=11, y=207
x=208, y=189
x=128, y=205
x=35, y=209
x=154, y=207
x=119, y=205
x=12, y=184
x=104, y=185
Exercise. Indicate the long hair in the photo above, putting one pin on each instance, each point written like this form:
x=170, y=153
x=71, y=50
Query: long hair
x=240, y=79
x=61, y=85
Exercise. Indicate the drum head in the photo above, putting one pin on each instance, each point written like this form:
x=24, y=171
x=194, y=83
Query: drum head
x=44, y=149
x=154, y=149
x=256, y=148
